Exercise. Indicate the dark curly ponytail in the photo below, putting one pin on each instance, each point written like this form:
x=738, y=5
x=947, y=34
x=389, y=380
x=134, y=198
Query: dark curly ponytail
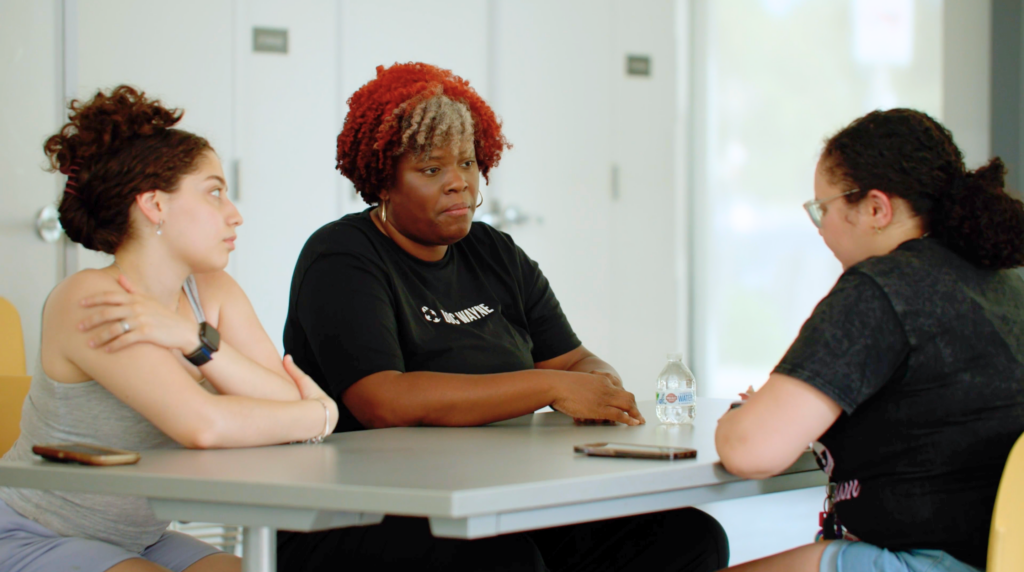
x=906, y=153
x=113, y=148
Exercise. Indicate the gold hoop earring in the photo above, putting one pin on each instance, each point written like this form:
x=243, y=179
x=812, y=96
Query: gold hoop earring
x=481, y=193
x=383, y=212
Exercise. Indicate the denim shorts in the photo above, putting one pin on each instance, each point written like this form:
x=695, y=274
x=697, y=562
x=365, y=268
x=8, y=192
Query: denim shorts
x=847, y=556
x=27, y=546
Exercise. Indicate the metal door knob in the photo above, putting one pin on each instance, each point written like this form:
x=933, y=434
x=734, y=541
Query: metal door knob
x=48, y=224
x=504, y=218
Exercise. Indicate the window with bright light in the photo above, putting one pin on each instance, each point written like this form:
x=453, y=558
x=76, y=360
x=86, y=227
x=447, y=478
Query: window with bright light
x=779, y=76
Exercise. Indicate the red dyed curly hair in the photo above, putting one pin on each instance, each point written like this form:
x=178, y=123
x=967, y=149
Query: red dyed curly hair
x=370, y=145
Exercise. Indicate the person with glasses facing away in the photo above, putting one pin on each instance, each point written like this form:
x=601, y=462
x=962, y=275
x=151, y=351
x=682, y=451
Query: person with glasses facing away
x=160, y=349
x=908, y=378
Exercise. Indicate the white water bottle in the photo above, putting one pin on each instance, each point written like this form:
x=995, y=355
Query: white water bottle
x=677, y=393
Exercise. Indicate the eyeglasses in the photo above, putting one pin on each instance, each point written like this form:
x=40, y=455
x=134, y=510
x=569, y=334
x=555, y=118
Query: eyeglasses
x=815, y=211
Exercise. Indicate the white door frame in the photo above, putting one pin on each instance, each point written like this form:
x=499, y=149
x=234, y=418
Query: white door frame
x=69, y=86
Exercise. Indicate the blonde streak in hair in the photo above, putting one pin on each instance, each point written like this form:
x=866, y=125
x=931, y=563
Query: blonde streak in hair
x=452, y=125
x=411, y=123
x=443, y=127
x=429, y=124
x=455, y=126
x=458, y=126
x=467, y=129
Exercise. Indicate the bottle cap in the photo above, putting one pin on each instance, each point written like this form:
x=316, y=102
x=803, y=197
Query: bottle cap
x=675, y=356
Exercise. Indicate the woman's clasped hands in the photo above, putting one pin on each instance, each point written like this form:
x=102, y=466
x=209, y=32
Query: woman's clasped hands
x=596, y=395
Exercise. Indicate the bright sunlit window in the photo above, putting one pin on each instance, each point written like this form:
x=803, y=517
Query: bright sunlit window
x=780, y=77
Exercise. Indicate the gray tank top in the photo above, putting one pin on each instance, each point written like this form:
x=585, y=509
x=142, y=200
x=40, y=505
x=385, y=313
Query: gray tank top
x=85, y=412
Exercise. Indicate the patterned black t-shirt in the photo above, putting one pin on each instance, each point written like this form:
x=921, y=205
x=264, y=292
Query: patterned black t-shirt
x=360, y=305
x=925, y=354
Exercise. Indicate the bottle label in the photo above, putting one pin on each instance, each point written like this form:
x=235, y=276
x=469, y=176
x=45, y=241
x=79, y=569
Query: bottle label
x=676, y=398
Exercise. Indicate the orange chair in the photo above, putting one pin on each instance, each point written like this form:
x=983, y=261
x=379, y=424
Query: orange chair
x=13, y=389
x=13, y=381
x=12, y=343
x=1006, y=540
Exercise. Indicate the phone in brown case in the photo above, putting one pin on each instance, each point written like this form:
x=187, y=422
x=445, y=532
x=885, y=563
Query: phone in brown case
x=86, y=454
x=629, y=450
x=594, y=422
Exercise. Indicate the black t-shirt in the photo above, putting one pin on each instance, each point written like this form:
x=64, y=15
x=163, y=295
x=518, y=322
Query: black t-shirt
x=360, y=305
x=925, y=354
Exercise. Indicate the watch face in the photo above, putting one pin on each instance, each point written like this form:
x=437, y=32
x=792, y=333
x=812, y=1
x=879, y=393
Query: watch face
x=209, y=336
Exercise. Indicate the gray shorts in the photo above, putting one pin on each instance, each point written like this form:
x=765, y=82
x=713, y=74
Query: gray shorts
x=27, y=546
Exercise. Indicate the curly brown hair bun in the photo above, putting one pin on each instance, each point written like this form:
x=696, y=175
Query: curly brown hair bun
x=113, y=148
x=908, y=154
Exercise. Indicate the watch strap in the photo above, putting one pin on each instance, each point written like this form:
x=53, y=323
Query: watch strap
x=209, y=343
x=202, y=356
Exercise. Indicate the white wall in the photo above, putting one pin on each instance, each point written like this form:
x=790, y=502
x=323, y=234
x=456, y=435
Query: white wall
x=645, y=228
x=286, y=128
x=30, y=100
x=553, y=91
x=966, y=77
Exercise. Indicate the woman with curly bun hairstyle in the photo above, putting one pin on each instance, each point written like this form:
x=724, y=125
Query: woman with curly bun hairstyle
x=160, y=349
x=409, y=313
x=909, y=376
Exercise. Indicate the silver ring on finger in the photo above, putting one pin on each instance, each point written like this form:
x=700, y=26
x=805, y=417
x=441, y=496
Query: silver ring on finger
x=124, y=326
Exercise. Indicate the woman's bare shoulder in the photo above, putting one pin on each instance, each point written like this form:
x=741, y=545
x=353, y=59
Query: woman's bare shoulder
x=63, y=311
x=217, y=287
x=217, y=292
x=68, y=294
x=219, y=279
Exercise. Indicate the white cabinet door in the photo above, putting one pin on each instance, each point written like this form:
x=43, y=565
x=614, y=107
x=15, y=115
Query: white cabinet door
x=552, y=89
x=30, y=103
x=287, y=125
x=647, y=235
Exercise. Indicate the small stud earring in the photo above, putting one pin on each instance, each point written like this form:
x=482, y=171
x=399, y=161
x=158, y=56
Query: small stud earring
x=159, y=227
x=878, y=230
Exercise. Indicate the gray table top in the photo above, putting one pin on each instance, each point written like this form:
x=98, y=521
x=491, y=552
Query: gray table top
x=522, y=463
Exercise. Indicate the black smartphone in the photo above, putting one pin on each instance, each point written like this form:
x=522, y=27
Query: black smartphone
x=632, y=451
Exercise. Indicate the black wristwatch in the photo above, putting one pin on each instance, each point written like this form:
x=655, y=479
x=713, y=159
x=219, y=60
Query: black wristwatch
x=209, y=342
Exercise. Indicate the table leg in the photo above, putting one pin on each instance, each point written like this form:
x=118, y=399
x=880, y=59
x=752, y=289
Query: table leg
x=259, y=549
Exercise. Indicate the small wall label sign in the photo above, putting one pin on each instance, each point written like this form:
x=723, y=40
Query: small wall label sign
x=638, y=65
x=273, y=40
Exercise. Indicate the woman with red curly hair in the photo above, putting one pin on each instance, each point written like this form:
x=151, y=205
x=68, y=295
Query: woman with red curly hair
x=411, y=298
x=160, y=349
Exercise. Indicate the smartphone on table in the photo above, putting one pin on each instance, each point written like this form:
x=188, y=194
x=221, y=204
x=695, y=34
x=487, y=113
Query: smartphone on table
x=86, y=454
x=628, y=450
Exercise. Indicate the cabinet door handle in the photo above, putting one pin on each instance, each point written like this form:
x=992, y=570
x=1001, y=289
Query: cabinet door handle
x=48, y=224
